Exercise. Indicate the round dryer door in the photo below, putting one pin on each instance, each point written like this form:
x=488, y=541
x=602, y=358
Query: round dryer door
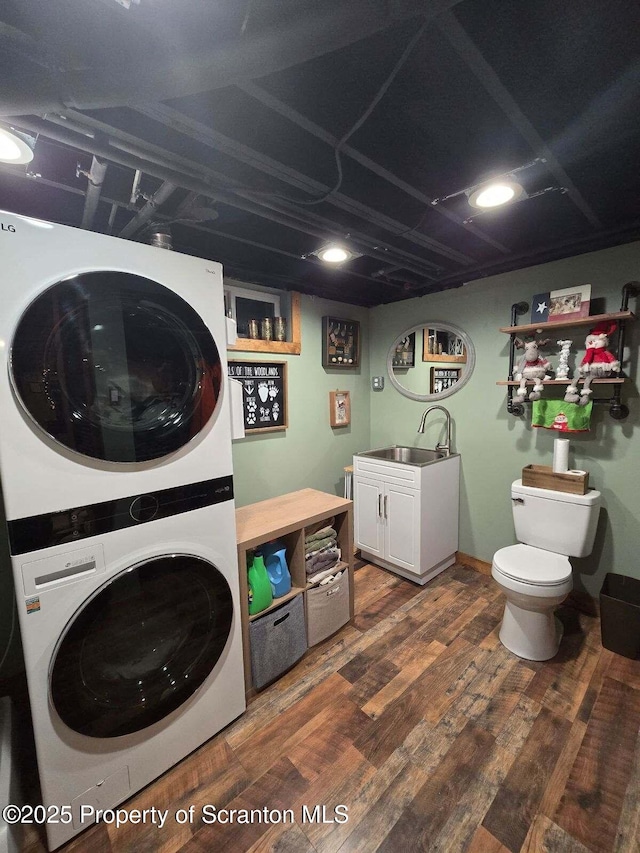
x=141, y=646
x=115, y=366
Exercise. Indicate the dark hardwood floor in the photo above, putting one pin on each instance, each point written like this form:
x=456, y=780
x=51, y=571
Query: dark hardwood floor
x=428, y=730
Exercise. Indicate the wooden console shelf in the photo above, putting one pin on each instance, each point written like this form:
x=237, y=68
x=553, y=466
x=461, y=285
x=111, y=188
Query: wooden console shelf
x=287, y=518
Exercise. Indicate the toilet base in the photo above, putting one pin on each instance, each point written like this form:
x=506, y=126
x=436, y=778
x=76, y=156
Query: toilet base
x=530, y=634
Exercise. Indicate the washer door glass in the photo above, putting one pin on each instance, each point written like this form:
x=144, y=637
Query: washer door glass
x=116, y=367
x=141, y=646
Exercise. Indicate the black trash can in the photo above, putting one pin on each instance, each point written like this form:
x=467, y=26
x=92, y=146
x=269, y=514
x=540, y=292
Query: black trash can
x=620, y=615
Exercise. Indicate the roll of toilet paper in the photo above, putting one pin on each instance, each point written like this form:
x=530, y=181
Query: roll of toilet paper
x=577, y=472
x=561, y=456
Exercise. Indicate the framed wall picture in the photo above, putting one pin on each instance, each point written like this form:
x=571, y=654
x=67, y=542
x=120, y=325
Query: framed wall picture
x=440, y=345
x=340, y=342
x=405, y=354
x=443, y=378
x=339, y=408
x=264, y=394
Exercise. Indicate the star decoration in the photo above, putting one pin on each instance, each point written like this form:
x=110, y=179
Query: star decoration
x=542, y=307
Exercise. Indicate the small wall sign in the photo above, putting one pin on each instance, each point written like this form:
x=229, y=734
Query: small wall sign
x=264, y=393
x=339, y=408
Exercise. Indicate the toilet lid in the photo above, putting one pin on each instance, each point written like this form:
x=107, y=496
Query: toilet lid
x=532, y=565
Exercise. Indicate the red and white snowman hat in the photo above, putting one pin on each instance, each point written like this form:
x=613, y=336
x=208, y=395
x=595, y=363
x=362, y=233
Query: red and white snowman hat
x=603, y=330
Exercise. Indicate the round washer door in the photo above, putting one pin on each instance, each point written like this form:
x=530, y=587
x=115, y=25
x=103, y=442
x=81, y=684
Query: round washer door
x=115, y=366
x=141, y=645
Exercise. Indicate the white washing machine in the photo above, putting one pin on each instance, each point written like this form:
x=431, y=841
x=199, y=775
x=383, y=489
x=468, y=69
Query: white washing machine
x=113, y=361
x=115, y=460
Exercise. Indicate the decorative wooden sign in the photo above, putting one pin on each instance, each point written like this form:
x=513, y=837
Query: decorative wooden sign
x=264, y=393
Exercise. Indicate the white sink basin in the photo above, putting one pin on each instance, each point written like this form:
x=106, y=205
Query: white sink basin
x=407, y=455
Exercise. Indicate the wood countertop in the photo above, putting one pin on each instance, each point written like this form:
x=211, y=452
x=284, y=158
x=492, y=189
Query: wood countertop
x=265, y=520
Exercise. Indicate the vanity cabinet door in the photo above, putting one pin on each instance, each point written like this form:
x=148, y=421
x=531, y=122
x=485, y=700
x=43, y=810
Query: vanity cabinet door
x=401, y=511
x=368, y=521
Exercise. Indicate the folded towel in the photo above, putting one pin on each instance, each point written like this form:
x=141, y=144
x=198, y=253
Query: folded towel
x=311, y=550
x=320, y=536
x=324, y=574
x=323, y=560
x=322, y=546
x=560, y=416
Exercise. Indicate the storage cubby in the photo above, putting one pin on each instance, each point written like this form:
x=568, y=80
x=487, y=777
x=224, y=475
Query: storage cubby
x=289, y=518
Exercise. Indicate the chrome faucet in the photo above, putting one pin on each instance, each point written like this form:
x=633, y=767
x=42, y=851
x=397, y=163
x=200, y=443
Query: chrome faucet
x=446, y=447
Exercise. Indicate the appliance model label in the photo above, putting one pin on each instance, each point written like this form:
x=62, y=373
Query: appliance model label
x=33, y=604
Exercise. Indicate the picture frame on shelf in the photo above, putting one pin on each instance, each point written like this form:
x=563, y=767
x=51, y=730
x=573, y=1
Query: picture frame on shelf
x=339, y=408
x=561, y=306
x=340, y=343
x=443, y=378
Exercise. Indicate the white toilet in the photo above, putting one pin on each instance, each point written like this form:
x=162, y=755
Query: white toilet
x=536, y=575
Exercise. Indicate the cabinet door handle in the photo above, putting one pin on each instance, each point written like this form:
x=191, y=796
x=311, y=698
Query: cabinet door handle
x=385, y=506
x=379, y=506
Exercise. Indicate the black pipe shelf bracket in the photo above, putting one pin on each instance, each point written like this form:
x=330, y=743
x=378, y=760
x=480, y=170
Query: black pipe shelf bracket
x=617, y=410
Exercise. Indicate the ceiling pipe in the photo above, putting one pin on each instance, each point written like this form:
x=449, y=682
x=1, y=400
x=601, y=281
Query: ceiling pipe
x=130, y=144
x=146, y=213
x=191, y=225
x=292, y=41
x=193, y=129
x=95, y=178
x=202, y=184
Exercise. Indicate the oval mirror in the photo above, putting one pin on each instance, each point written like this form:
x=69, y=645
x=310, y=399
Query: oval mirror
x=431, y=361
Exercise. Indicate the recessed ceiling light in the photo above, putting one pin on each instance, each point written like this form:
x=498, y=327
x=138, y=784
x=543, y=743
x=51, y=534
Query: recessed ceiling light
x=495, y=193
x=15, y=148
x=334, y=253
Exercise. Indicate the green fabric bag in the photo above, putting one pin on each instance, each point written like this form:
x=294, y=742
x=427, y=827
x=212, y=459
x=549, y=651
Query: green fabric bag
x=561, y=416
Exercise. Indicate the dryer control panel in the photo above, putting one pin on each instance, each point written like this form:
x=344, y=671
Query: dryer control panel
x=77, y=523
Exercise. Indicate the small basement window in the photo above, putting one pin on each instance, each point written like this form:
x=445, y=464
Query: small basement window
x=244, y=304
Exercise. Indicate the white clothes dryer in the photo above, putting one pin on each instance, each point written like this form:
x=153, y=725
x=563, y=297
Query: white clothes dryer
x=133, y=649
x=112, y=368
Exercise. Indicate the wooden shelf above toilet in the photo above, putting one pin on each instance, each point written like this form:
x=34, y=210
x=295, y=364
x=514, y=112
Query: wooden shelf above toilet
x=528, y=328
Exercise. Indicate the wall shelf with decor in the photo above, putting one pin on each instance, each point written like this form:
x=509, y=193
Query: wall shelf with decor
x=292, y=347
x=617, y=409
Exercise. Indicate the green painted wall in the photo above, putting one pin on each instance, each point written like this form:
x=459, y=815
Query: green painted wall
x=494, y=445
x=310, y=453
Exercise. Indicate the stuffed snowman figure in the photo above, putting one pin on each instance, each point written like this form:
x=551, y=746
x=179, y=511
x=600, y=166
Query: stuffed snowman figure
x=597, y=363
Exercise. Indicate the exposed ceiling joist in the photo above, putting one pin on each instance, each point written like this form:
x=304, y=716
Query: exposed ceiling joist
x=253, y=90
x=128, y=150
x=232, y=148
x=484, y=73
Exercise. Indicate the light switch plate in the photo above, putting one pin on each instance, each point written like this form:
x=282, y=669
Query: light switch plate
x=377, y=383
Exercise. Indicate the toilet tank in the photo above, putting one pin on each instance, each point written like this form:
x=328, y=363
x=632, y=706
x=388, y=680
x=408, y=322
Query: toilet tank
x=555, y=521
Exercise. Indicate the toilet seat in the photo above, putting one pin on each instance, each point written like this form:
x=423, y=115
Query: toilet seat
x=532, y=566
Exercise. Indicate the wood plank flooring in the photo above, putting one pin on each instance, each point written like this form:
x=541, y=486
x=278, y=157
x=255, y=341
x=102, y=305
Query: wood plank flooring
x=428, y=730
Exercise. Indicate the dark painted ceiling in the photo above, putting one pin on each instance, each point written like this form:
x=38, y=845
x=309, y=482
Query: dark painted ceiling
x=264, y=128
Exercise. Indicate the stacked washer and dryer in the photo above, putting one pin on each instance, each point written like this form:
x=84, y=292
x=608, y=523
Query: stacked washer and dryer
x=116, y=469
